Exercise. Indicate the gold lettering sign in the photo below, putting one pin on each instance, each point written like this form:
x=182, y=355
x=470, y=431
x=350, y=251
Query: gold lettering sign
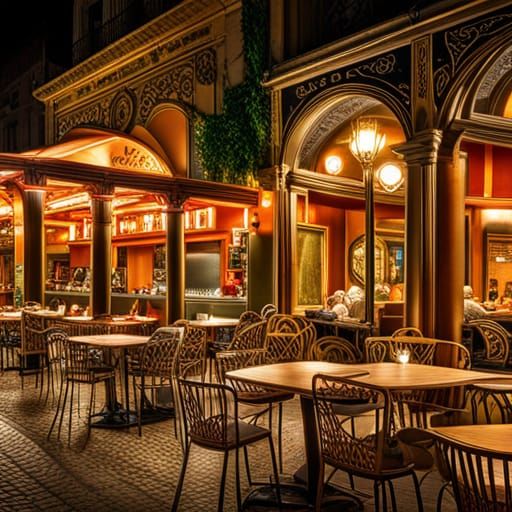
x=137, y=159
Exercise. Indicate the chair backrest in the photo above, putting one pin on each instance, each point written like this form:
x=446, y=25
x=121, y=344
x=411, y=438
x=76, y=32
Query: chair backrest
x=342, y=446
x=157, y=358
x=288, y=346
x=56, y=340
x=496, y=341
x=480, y=479
x=190, y=359
x=208, y=409
x=80, y=360
x=407, y=331
x=33, y=340
x=333, y=349
x=247, y=318
x=229, y=360
x=252, y=336
x=284, y=324
x=268, y=310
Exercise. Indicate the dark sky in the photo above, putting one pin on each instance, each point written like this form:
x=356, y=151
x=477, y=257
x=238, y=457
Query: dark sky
x=23, y=22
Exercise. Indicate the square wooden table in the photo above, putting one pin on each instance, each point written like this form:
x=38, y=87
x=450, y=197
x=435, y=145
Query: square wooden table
x=297, y=377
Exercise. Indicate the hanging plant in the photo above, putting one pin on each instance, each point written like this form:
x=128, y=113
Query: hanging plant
x=234, y=144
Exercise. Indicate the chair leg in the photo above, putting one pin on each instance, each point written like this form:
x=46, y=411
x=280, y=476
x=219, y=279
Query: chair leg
x=181, y=478
x=440, y=495
x=63, y=409
x=220, y=506
x=141, y=407
x=280, y=436
x=90, y=412
x=247, y=467
x=274, y=469
x=376, y=496
x=418, y=492
x=392, y=494
x=237, y=483
x=71, y=411
x=56, y=412
x=384, y=497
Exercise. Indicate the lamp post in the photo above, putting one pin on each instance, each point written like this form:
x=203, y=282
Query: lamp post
x=365, y=143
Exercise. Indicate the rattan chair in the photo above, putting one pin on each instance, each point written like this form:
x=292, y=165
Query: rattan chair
x=496, y=342
x=333, y=349
x=267, y=311
x=82, y=365
x=153, y=369
x=10, y=342
x=373, y=456
x=56, y=339
x=190, y=358
x=480, y=478
x=407, y=331
x=212, y=422
x=494, y=398
x=253, y=395
x=247, y=318
x=33, y=347
x=288, y=338
x=252, y=336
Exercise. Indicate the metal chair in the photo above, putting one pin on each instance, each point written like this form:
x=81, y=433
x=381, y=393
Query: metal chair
x=267, y=311
x=480, y=478
x=190, y=358
x=211, y=421
x=254, y=395
x=33, y=347
x=407, y=331
x=496, y=342
x=153, y=366
x=82, y=365
x=10, y=342
x=333, y=349
x=247, y=318
x=372, y=456
x=250, y=337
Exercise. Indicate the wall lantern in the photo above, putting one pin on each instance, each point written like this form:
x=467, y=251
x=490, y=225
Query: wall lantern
x=333, y=165
x=266, y=199
x=390, y=176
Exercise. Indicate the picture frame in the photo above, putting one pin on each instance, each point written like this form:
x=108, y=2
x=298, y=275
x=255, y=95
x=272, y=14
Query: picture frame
x=310, y=268
x=237, y=235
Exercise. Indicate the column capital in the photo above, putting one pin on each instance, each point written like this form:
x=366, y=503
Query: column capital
x=174, y=201
x=422, y=148
x=102, y=190
x=274, y=178
x=32, y=178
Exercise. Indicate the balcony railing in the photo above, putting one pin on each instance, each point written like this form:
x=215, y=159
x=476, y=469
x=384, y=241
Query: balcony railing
x=135, y=15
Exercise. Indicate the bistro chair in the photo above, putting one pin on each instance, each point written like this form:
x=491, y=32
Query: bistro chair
x=33, y=347
x=10, y=342
x=82, y=365
x=494, y=398
x=247, y=318
x=252, y=394
x=55, y=339
x=407, y=331
x=190, y=358
x=210, y=416
x=480, y=479
x=373, y=455
x=267, y=311
x=152, y=370
x=333, y=349
x=288, y=338
x=496, y=342
x=252, y=336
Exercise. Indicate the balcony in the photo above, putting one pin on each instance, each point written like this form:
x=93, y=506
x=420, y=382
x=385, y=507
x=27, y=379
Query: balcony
x=135, y=15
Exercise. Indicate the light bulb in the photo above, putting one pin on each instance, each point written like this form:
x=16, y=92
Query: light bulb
x=333, y=164
x=390, y=177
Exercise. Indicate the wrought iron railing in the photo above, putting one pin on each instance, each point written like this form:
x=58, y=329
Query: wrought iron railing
x=135, y=15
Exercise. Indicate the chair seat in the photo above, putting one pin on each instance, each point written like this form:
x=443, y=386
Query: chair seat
x=97, y=374
x=267, y=396
x=355, y=409
x=248, y=433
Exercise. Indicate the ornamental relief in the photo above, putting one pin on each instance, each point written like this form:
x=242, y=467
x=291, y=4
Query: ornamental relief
x=455, y=46
x=96, y=114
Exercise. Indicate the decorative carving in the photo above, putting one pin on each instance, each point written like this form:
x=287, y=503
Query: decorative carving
x=135, y=159
x=421, y=68
x=101, y=190
x=97, y=114
x=175, y=201
x=33, y=178
x=460, y=41
x=380, y=67
x=206, y=66
x=122, y=110
x=179, y=82
x=500, y=67
x=323, y=128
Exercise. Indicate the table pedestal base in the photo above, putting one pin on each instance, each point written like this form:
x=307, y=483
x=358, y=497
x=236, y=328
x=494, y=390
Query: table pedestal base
x=119, y=418
x=295, y=497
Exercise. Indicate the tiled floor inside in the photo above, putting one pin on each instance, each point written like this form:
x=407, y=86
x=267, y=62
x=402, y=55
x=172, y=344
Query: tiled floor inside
x=118, y=470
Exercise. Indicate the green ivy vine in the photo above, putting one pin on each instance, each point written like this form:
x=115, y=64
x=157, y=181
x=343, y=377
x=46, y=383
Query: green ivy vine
x=234, y=144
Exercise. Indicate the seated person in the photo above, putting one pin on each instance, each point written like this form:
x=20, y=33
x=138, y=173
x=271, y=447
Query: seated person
x=336, y=305
x=472, y=309
x=354, y=300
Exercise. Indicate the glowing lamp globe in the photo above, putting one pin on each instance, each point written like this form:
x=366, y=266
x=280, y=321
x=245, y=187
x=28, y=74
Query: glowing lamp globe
x=390, y=177
x=333, y=165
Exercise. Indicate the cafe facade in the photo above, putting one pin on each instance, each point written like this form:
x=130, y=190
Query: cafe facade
x=438, y=84
x=114, y=214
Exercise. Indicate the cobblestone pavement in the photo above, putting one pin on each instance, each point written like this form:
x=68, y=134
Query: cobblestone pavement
x=120, y=471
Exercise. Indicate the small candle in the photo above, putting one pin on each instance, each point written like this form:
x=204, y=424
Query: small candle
x=403, y=356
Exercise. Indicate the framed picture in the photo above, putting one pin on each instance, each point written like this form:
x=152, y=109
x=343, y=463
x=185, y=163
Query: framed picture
x=238, y=234
x=310, y=266
x=119, y=280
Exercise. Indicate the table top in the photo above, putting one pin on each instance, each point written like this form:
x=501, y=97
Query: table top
x=297, y=376
x=112, y=321
x=215, y=322
x=494, y=438
x=111, y=340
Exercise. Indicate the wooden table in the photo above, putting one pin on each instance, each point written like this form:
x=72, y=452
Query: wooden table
x=114, y=415
x=492, y=438
x=297, y=377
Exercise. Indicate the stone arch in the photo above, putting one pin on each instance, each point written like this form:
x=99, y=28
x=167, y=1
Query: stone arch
x=347, y=100
x=460, y=99
x=170, y=124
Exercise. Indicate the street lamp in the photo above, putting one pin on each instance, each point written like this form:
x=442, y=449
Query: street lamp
x=365, y=143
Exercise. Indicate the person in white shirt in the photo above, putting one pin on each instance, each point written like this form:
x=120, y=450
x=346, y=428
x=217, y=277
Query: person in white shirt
x=472, y=310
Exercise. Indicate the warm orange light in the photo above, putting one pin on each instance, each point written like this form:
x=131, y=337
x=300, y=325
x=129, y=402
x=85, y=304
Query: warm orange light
x=333, y=165
x=390, y=176
x=266, y=199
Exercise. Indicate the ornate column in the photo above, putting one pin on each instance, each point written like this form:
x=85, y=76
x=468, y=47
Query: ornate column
x=101, y=248
x=283, y=226
x=420, y=154
x=33, y=236
x=175, y=258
